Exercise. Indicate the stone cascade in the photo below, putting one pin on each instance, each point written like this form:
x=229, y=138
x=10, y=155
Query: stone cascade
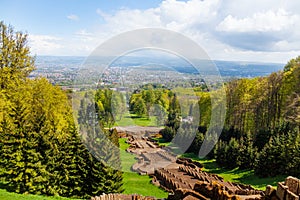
x=167, y=155
x=184, y=178
x=170, y=180
x=217, y=191
x=186, y=194
x=149, y=155
x=233, y=188
x=287, y=190
x=189, y=177
x=189, y=162
x=122, y=197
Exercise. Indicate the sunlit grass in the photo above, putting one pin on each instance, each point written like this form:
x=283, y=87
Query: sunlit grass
x=134, y=120
x=5, y=195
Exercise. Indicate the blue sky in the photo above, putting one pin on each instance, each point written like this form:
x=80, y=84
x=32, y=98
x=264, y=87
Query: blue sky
x=51, y=16
x=250, y=30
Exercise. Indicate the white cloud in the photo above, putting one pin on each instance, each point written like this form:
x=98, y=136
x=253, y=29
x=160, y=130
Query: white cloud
x=73, y=17
x=257, y=30
x=171, y=14
x=270, y=21
x=45, y=44
x=190, y=13
x=267, y=31
x=183, y=17
x=222, y=28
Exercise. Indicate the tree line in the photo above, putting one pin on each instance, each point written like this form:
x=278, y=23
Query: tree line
x=262, y=123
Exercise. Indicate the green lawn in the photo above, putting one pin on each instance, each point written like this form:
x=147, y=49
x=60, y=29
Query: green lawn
x=4, y=195
x=162, y=142
x=134, y=183
x=237, y=175
x=134, y=120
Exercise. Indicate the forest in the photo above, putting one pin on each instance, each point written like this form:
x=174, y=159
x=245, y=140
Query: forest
x=40, y=148
x=262, y=124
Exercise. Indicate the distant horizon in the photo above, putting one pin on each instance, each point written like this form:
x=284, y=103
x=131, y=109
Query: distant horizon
x=225, y=68
x=240, y=61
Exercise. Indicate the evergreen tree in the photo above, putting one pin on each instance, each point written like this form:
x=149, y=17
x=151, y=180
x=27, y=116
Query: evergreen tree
x=247, y=152
x=174, y=114
x=227, y=154
x=269, y=161
x=20, y=157
x=197, y=143
x=41, y=151
x=220, y=152
x=167, y=133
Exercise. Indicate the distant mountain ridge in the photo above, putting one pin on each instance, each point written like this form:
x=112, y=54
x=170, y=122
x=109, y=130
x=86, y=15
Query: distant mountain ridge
x=226, y=68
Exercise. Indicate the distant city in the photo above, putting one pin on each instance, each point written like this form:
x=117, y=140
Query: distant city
x=62, y=70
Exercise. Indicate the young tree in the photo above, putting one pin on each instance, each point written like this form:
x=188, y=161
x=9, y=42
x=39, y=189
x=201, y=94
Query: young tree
x=139, y=107
x=15, y=60
x=247, y=152
x=118, y=105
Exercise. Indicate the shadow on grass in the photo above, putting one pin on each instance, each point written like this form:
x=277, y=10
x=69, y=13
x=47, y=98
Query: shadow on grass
x=132, y=116
x=245, y=176
x=5, y=186
x=160, y=140
x=258, y=182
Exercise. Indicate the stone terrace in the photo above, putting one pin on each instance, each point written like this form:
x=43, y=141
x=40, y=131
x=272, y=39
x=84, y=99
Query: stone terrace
x=288, y=190
x=122, y=197
x=184, y=179
x=188, y=176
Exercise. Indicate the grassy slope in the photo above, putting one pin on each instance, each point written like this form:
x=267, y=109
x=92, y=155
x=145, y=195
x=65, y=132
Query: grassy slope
x=133, y=182
x=237, y=175
x=4, y=195
x=134, y=120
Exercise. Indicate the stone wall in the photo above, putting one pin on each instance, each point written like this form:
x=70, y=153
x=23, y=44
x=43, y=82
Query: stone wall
x=180, y=187
x=188, y=176
x=287, y=190
x=189, y=162
x=214, y=191
x=186, y=194
x=121, y=197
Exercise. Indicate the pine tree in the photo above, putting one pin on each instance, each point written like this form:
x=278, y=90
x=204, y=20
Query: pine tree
x=269, y=161
x=174, y=113
x=103, y=163
x=21, y=160
x=247, y=152
x=40, y=148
